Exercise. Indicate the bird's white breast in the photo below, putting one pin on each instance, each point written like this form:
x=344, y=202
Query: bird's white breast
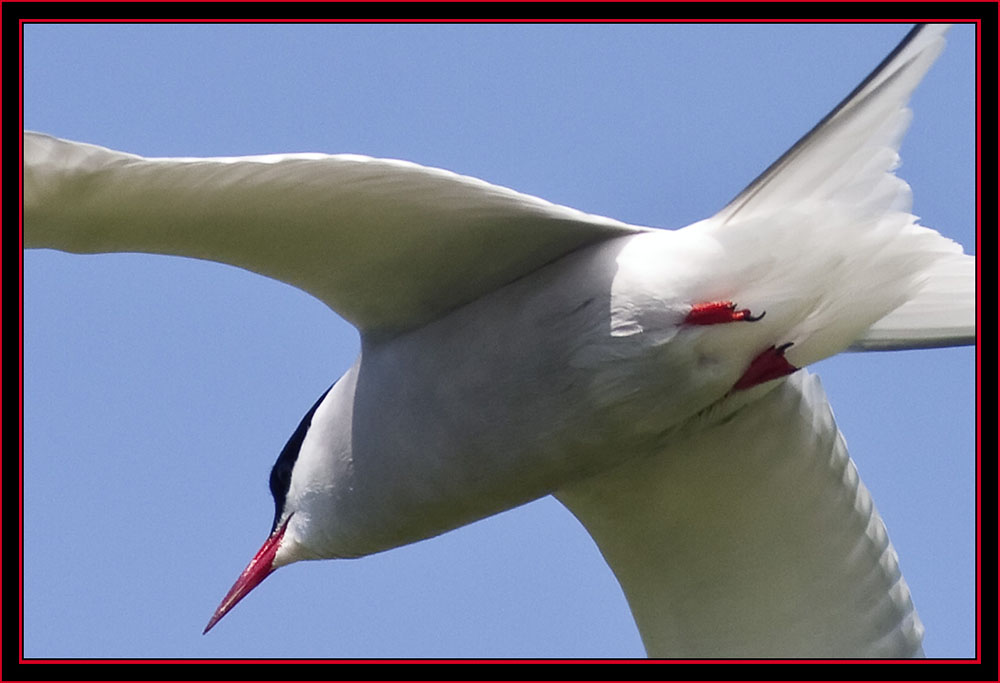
x=563, y=373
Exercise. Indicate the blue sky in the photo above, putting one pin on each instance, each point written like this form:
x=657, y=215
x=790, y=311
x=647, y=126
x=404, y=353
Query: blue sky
x=158, y=391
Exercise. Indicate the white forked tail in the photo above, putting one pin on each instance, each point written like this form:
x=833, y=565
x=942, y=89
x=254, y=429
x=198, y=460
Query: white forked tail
x=836, y=220
x=755, y=537
x=942, y=313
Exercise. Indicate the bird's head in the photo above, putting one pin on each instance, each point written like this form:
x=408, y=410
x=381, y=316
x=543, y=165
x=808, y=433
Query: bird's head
x=281, y=547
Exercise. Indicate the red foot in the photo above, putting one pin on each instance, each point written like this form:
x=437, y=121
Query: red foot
x=715, y=312
x=770, y=364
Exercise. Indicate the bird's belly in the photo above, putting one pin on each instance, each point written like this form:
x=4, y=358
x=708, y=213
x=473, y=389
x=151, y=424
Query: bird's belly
x=508, y=398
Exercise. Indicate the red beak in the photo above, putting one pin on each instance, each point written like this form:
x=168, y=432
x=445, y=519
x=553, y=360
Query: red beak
x=259, y=568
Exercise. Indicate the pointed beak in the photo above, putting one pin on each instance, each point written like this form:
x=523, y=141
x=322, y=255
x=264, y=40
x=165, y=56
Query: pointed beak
x=259, y=568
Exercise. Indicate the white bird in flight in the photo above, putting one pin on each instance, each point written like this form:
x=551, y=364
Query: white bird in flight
x=512, y=348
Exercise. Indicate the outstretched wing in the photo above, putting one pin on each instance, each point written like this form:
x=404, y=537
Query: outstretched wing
x=388, y=244
x=847, y=161
x=755, y=538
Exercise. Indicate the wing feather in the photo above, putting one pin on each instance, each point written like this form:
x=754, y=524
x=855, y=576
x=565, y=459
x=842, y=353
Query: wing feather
x=390, y=245
x=754, y=538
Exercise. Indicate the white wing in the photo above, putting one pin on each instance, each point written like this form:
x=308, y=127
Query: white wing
x=846, y=163
x=384, y=304
x=754, y=538
x=388, y=244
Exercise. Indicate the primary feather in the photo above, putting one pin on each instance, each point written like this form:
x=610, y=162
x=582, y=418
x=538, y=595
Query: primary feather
x=513, y=348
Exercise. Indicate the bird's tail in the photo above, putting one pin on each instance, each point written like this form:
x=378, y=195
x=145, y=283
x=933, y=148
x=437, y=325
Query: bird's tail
x=941, y=313
x=836, y=221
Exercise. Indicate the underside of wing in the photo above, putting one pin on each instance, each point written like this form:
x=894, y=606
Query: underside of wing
x=389, y=245
x=754, y=538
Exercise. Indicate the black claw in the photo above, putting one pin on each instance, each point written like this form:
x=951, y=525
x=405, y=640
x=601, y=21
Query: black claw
x=754, y=318
x=784, y=347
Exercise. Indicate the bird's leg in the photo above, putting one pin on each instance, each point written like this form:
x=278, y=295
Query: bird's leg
x=715, y=312
x=770, y=364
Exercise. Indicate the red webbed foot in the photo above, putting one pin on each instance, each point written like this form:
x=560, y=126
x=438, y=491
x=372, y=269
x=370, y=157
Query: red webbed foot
x=770, y=364
x=715, y=312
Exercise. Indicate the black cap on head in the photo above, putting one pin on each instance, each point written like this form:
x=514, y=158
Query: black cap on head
x=281, y=473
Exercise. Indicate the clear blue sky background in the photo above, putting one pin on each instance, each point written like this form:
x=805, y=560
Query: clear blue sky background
x=158, y=391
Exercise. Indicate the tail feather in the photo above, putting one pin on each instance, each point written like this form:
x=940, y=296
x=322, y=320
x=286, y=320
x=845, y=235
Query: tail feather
x=942, y=313
x=837, y=221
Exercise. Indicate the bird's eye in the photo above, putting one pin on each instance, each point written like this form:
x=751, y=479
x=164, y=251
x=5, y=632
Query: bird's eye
x=281, y=472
